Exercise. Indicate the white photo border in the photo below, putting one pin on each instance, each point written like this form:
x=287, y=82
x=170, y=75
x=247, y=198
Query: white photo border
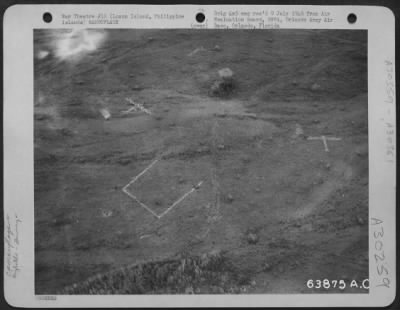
x=19, y=22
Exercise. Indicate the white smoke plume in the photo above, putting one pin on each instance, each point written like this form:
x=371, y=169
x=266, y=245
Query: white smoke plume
x=76, y=43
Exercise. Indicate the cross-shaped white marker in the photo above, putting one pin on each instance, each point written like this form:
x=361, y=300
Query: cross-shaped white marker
x=324, y=140
x=136, y=106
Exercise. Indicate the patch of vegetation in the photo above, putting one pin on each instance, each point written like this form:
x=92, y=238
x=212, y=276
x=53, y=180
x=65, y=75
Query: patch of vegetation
x=208, y=273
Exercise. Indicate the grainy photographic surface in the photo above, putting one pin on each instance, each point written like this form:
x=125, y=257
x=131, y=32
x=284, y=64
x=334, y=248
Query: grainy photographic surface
x=200, y=162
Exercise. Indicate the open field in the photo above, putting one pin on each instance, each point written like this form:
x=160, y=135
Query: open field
x=272, y=204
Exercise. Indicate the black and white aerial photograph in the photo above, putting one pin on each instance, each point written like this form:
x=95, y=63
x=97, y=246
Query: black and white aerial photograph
x=213, y=161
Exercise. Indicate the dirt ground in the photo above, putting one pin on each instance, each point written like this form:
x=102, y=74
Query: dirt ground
x=282, y=208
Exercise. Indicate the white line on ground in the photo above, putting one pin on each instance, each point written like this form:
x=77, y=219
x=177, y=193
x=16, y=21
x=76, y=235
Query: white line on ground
x=181, y=199
x=125, y=190
x=325, y=144
x=141, y=203
x=140, y=174
x=130, y=110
